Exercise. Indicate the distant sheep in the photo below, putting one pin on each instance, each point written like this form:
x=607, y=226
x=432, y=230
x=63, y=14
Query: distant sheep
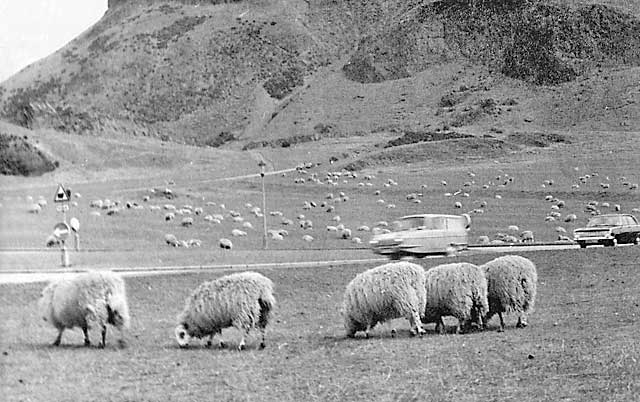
x=458, y=290
x=91, y=299
x=512, y=282
x=225, y=244
x=527, y=236
x=384, y=293
x=187, y=222
x=171, y=240
x=34, y=209
x=238, y=233
x=242, y=300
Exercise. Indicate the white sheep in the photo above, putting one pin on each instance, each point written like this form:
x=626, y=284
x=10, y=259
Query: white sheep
x=238, y=233
x=242, y=300
x=458, y=290
x=307, y=238
x=383, y=293
x=171, y=240
x=90, y=299
x=187, y=222
x=34, y=209
x=345, y=233
x=527, y=236
x=225, y=244
x=512, y=282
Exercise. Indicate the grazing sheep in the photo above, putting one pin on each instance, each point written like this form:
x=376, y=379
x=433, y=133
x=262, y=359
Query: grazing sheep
x=384, y=293
x=171, y=240
x=512, y=282
x=187, y=222
x=458, y=290
x=238, y=233
x=242, y=300
x=169, y=216
x=307, y=238
x=52, y=241
x=225, y=244
x=34, y=209
x=345, y=234
x=527, y=236
x=89, y=299
x=363, y=228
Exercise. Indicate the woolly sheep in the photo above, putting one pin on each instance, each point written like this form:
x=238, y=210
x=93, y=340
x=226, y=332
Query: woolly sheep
x=383, y=293
x=225, y=244
x=187, y=221
x=89, y=299
x=238, y=233
x=242, y=300
x=527, y=236
x=458, y=290
x=171, y=240
x=34, y=209
x=511, y=282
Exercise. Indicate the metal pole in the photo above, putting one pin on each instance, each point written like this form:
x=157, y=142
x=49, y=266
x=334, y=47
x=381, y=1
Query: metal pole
x=264, y=211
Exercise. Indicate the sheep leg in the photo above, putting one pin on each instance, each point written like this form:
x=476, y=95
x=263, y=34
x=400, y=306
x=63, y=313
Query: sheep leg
x=58, y=338
x=501, y=329
x=242, y=345
x=210, y=341
x=522, y=321
x=486, y=319
x=85, y=331
x=416, y=324
x=263, y=343
x=104, y=336
x=440, y=326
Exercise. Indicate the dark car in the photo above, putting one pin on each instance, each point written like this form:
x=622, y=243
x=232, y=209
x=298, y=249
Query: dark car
x=608, y=230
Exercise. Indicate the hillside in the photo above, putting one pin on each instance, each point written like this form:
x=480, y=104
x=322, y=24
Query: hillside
x=274, y=73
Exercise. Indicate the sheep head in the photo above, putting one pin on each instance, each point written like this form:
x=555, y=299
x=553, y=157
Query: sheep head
x=182, y=335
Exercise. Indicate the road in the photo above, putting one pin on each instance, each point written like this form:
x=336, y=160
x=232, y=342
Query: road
x=46, y=274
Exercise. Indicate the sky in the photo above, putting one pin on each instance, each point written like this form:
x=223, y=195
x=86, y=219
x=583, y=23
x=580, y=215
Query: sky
x=33, y=29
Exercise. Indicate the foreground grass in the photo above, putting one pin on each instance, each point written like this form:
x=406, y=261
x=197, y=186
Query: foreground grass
x=580, y=345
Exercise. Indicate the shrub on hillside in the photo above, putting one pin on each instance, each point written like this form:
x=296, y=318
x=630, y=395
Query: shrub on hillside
x=19, y=157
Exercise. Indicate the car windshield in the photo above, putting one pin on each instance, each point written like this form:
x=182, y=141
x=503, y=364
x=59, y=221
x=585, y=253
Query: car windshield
x=605, y=221
x=419, y=222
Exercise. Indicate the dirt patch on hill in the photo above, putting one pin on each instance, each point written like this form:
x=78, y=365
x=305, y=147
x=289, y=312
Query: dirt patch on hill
x=19, y=157
x=540, y=140
x=412, y=137
x=436, y=151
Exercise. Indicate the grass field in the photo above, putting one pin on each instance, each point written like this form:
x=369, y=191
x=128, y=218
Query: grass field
x=580, y=345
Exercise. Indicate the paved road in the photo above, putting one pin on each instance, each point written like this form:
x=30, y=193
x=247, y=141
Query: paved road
x=43, y=275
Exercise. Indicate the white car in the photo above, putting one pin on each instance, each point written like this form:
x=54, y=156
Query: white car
x=425, y=234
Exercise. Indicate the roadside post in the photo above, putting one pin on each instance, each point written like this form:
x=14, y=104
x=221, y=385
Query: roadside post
x=61, y=230
x=264, y=206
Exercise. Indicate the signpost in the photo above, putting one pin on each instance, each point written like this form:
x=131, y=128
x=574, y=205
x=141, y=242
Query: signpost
x=62, y=230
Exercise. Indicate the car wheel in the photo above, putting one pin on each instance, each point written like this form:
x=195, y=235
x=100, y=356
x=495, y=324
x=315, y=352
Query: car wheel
x=582, y=245
x=394, y=257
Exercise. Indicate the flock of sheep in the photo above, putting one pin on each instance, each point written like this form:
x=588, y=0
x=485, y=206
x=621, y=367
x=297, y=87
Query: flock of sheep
x=245, y=300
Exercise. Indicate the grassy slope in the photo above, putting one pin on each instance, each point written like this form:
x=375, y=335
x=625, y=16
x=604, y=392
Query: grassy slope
x=580, y=345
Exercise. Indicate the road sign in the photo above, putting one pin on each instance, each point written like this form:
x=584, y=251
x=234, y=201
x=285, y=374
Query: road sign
x=61, y=230
x=62, y=195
